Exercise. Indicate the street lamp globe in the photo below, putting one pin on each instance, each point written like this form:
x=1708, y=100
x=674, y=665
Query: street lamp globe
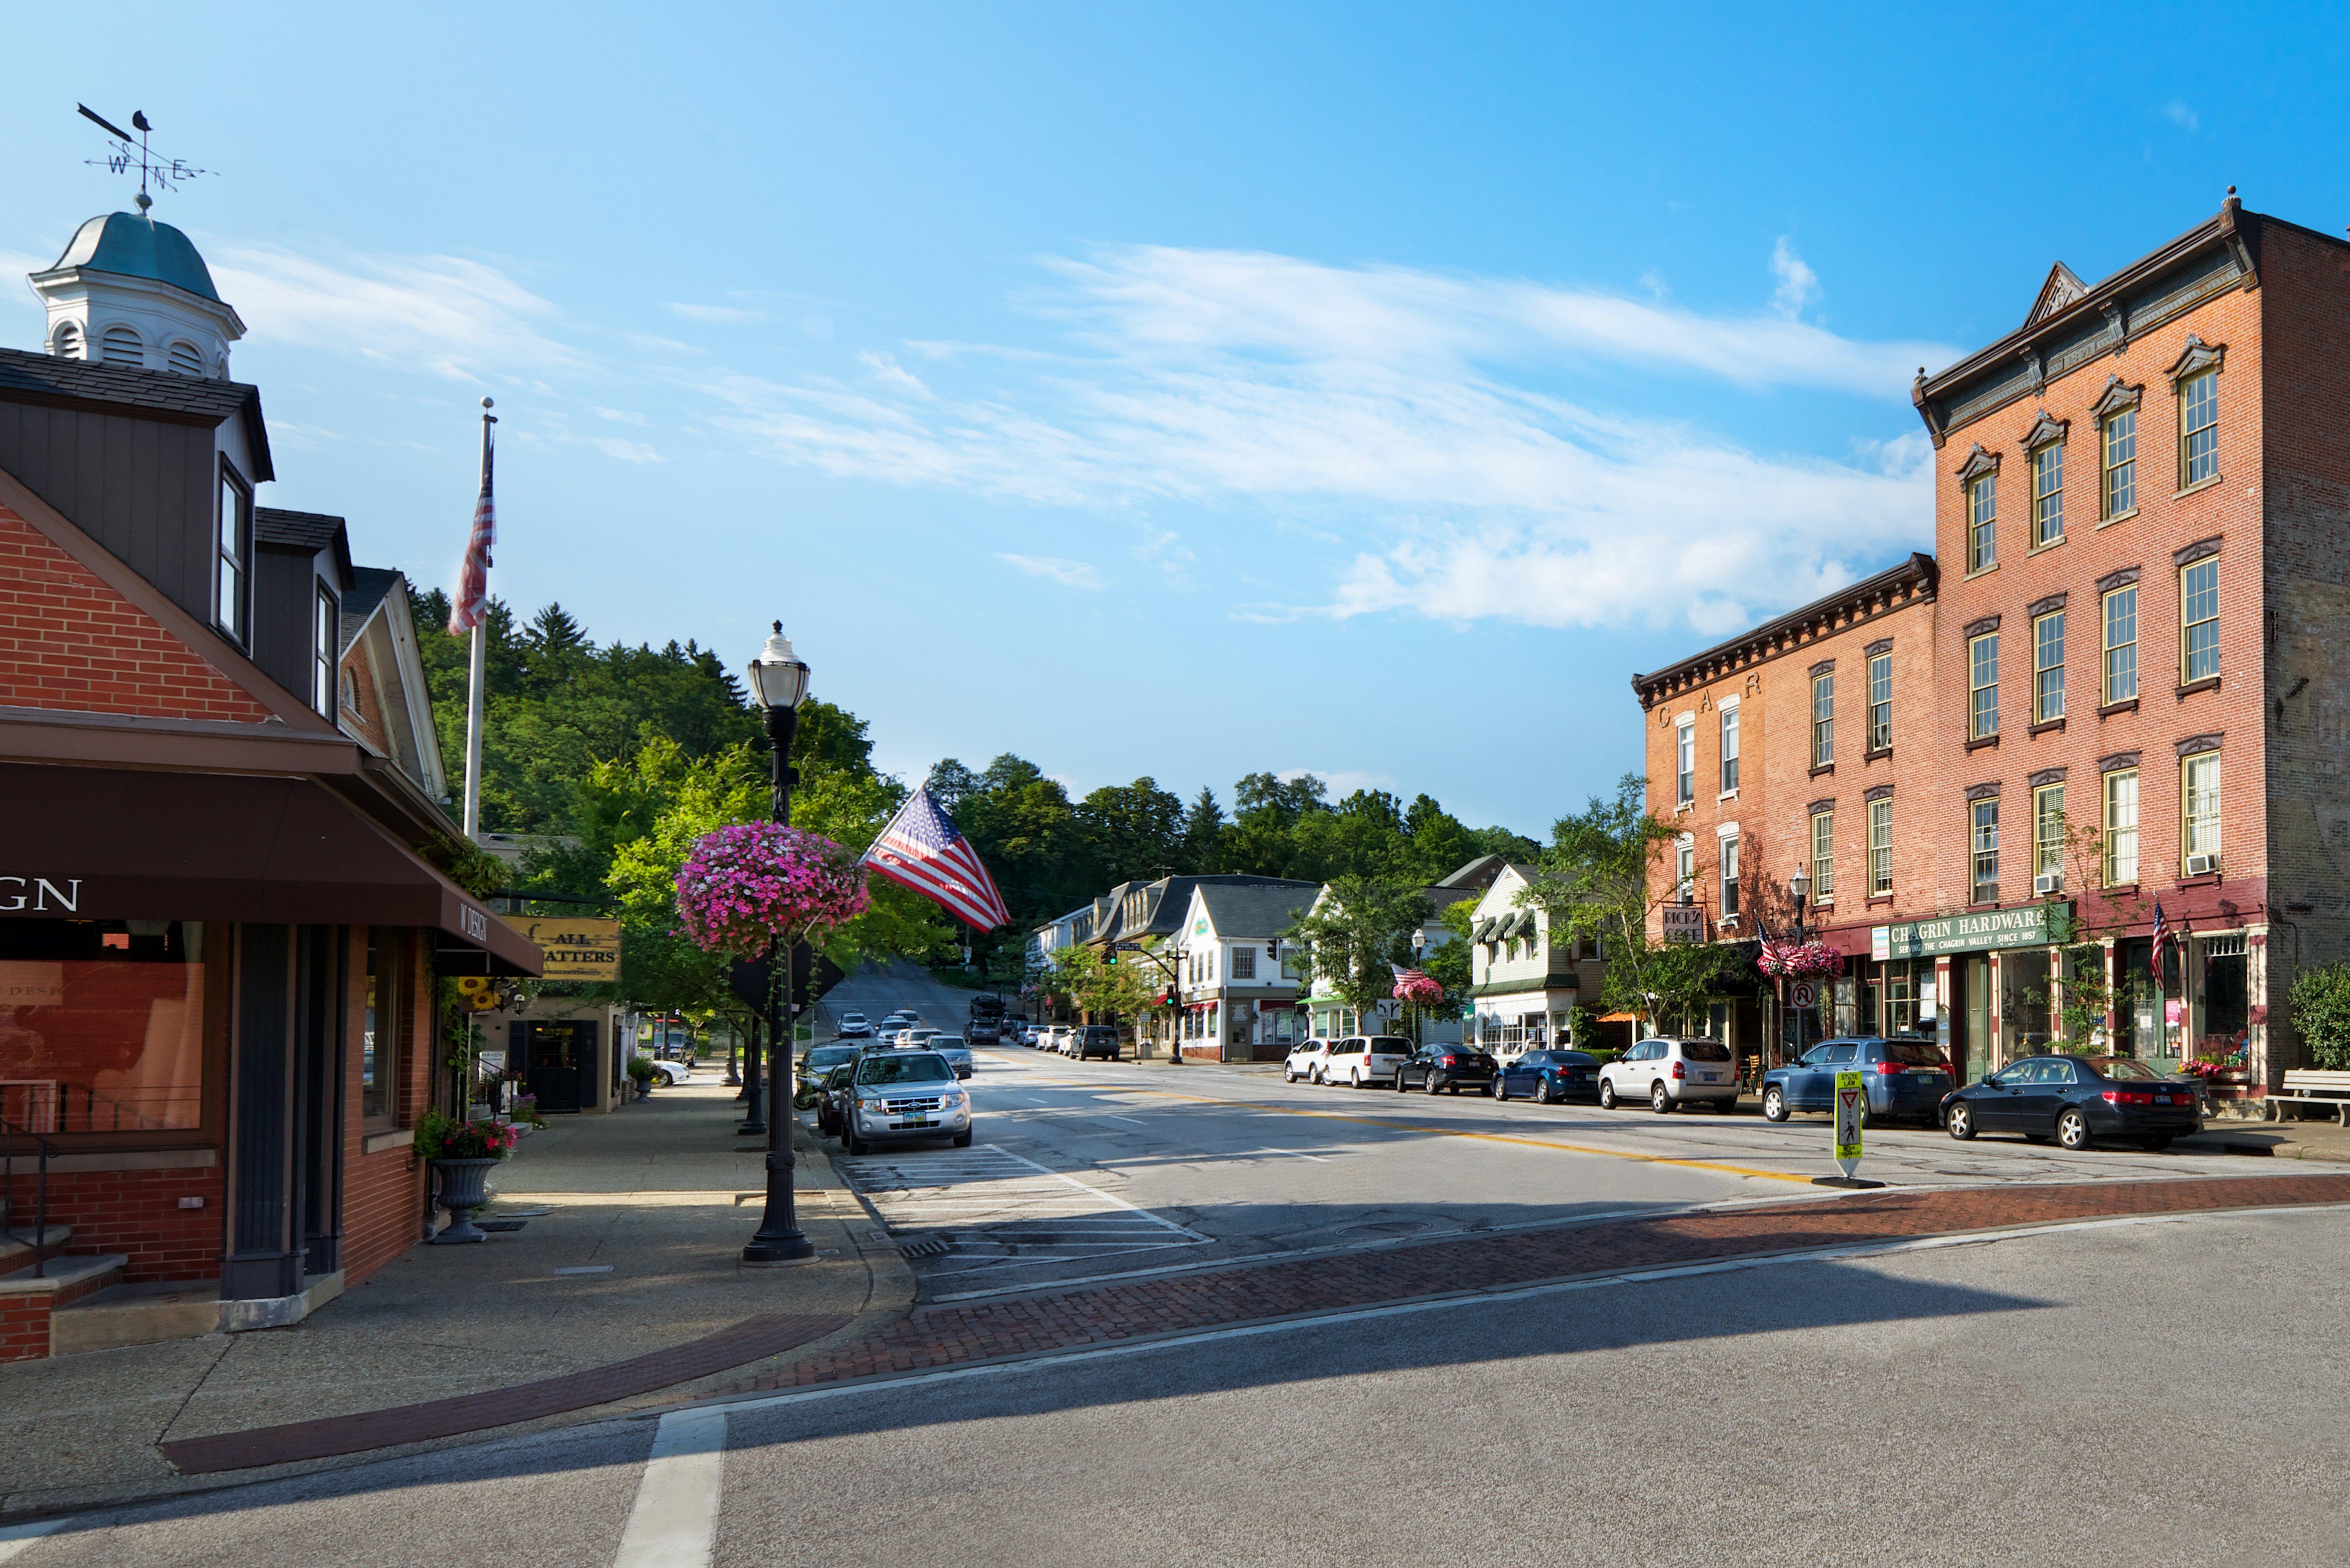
x=779, y=679
x=1800, y=885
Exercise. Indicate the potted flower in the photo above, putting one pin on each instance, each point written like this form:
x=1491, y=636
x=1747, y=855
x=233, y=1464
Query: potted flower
x=462, y=1153
x=643, y=1074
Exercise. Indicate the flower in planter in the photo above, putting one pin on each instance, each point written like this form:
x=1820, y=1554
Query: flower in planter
x=743, y=886
x=441, y=1138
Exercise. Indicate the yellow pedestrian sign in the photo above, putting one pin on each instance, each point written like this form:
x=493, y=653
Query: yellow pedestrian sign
x=1851, y=1099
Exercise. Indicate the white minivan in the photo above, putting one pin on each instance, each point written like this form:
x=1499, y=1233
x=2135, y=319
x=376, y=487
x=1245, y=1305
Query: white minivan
x=1671, y=1072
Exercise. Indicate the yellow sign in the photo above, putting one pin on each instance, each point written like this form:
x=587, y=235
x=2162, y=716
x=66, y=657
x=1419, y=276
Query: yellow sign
x=574, y=949
x=1851, y=1100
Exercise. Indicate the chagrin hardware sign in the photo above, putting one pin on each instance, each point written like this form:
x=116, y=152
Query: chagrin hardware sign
x=574, y=949
x=2035, y=925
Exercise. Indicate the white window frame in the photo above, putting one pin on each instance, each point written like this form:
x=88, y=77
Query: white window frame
x=1685, y=759
x=1726, y=868
x=1728, y=731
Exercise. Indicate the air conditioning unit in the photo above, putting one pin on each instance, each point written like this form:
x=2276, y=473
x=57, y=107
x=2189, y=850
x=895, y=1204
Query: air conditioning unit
x=2202, y=864
x=1730, y=922
x=2046, y=883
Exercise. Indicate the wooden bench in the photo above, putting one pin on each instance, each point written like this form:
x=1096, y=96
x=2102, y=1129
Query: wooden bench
x=2313, y=1086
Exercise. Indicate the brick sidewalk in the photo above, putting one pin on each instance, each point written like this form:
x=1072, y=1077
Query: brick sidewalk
x=939, y=1336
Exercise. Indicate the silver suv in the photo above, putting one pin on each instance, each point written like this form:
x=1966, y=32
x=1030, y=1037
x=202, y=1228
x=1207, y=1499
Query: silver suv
x=900, y=1097
x=1671, y=1072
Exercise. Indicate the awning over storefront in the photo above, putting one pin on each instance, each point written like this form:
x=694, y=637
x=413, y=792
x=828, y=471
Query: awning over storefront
x=124, y=843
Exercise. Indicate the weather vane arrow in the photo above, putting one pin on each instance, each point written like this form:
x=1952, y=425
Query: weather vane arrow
x=131, y=151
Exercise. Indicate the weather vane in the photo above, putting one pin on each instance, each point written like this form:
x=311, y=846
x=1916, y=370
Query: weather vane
x=131, y=152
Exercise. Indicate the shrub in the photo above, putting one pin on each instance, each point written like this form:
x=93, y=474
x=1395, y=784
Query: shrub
x=2321, y=1013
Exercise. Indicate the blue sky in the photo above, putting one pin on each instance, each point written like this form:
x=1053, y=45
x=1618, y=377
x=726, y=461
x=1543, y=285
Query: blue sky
x=1170, y=389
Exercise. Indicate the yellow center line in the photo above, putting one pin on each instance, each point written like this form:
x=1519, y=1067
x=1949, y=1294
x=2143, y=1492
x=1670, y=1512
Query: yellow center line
x=1392, y=1126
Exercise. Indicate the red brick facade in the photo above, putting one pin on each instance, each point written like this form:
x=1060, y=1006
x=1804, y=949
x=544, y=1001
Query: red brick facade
x=383, y=1192
x=69, y=641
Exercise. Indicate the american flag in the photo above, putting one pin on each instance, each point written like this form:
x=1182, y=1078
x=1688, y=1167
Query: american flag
x=921, y=850
x=472, y=601
x=1407, y=976
x=2156, y=963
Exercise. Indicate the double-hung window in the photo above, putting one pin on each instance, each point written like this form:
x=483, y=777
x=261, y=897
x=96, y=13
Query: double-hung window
x=2048, y=493
x=1822, y=720
x=2119, y=439
x=1685, y=760
x=2198, y=428
x=1880, y=847
x=1729, y=748
x=1982, y=523
x=1982, y=686
x=1685, y=867
x=1822, y=857
x=2121, y=644
x=1984, y=840
x=1880, y=701
x=2198, y=802
x=327, y=620
x=2048, y=831
x=1729, y=875
x=1243, y=963
x=2198, y=621
x=2048, y=668
x=2121, y=828
x=233, y=550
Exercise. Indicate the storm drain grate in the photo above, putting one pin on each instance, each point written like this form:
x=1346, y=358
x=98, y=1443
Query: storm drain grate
x=927, y=1247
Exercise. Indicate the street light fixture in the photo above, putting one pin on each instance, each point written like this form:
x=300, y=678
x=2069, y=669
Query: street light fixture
x=1800, y=886
x=779, y=681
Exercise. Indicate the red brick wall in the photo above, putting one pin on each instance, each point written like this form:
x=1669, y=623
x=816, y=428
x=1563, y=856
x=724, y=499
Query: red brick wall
x=366, y=719
x=25, y=1319
x=138, y=1214
x=2165, y=522
x=383, y=1193
x=69, y=641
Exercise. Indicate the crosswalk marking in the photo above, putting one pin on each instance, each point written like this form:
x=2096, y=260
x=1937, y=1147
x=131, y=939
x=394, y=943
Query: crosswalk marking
x=994, y=1210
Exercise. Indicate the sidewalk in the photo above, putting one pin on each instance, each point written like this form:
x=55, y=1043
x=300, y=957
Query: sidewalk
x=449, y=1342
x=2318, y=1140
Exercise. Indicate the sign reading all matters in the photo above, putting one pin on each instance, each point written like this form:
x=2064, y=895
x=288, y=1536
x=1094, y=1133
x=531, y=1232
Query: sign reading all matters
x=2035, y=925
x=574, y=949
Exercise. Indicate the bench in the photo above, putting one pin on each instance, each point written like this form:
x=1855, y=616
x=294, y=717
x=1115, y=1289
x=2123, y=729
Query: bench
x=2314, y=1086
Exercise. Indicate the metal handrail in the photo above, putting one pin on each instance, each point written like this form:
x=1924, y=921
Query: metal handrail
x=9, y=1132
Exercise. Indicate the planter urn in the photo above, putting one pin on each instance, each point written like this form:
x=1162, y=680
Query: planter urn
x=464, y=1189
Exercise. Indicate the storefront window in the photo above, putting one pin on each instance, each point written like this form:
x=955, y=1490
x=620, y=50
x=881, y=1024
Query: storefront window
x=1900, y=994
x=2227, y=992
x=379, y=1031
x=101, y=1025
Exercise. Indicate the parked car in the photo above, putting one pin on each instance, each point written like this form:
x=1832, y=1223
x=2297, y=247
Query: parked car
x=853, y=1026
x=957, y=1053
x=672, y=1072
x=1899, y=1078
x=1362, y=1059
x=829, y=1095
x=984, y=1031
x=1095, y=1040
x=903, y=1097
x=818, y=1059
x=1305, y=1061
x=917, y=1037
x=1549, y=1076
x=1057, y=1041
x=1445, y=1068
x=1671, y=1072
x=2076, y=1100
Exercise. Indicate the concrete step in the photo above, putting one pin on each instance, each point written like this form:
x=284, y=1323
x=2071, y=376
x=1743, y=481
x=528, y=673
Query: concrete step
x=30, y=1302
x=17, y=1246
x=136, y=1315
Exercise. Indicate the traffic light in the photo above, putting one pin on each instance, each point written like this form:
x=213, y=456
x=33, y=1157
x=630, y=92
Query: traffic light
x=1109, y=955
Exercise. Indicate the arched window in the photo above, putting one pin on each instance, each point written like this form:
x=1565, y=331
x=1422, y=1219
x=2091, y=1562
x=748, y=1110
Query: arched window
x=67, y=344
x=121, y=345
x=184, y=358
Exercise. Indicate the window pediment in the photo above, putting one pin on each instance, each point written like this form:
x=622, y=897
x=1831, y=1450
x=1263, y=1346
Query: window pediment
x=2117, y=397
x=2053, y=602
x=2194, y=743
x=2120, y=579
x=2196, y=357
x=1983, y=792
x=2046, y=776
x=2045, y=431
x=1979, y=462
x=1989, y=623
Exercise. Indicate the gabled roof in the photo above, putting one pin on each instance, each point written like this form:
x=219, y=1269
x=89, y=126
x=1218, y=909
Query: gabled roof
x=369, y=585
x=158, y=394
x=308, y=531
x=2063, y=286
x=1252, y=910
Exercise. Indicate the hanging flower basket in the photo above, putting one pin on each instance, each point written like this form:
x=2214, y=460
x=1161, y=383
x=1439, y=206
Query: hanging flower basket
x=1421, y=992
x=743, y=887
x=1806, y=958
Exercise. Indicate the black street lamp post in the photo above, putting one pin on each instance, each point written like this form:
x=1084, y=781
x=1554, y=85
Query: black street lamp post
x=1800, y=886
x=779, y=681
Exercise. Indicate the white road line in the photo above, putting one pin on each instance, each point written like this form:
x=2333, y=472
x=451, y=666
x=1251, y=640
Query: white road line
x=1106, y=1197
x=16, y=1537
x=1107, y=1117
x=674, y=1521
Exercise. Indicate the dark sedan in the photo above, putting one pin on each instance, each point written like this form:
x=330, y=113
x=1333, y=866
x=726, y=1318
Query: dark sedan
x=1549, y=1076
x=2076, y=1100
x=1447, y=1068
x=828, y=1094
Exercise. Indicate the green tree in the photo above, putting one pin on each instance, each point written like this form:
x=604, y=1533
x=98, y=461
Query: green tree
x=1597, y=882
x=1098, y=987
x=1204, y=834
x=1356, y=936
x=1130, y=832
x=2320, y=1000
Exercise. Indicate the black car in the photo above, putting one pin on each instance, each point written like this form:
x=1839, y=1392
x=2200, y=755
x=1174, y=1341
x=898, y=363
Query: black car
x=828, y=1093
x=1549, y=1076
x=1095, y=1040
x=1447, y=1068
x=2074, y=1100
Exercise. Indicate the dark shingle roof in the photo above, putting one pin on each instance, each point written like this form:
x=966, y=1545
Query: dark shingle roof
x=368, y=586
x=311, y=531
x=1255, y=910
x=87, y=384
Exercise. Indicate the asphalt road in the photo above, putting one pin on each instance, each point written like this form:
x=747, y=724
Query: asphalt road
x=2132, y=1393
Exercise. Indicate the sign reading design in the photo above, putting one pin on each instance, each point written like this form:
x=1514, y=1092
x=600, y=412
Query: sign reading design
x=2039, y=926
x=39, y=893
x=574, y=949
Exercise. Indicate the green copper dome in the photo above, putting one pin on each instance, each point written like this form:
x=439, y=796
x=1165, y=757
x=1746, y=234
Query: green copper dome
x=138, y=246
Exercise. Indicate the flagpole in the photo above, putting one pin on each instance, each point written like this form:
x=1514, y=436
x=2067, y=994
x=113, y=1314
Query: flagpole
x=474, y=697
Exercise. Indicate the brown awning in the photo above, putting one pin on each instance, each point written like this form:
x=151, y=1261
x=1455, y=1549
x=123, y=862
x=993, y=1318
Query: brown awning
x=120, y=844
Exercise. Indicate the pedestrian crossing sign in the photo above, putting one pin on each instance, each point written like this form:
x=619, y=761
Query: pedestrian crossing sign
x=1851, y=1099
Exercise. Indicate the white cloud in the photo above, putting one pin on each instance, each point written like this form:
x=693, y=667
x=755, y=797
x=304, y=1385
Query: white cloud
x=1069, y=574
x=715, y=314
x=619, y=416
x=1342, y=781
x=2179, y=115
x=627, y=451
x=890, y=373
x=445, y=315
x=1798, y=283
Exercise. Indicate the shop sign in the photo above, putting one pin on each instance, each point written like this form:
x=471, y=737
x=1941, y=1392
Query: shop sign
x=1683, y=922
x=574, y=949
x=39, y=893
x=2038, y=925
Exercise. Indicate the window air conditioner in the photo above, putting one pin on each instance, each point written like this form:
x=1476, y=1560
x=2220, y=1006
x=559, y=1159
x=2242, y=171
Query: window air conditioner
x=2047, y=882
x=2202, y=864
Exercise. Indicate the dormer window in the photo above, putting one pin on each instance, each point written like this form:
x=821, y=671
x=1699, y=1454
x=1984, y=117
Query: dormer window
x=233, y=552
x=327, y=620
x=121, y=345
x=67, y=344
x=184, y=358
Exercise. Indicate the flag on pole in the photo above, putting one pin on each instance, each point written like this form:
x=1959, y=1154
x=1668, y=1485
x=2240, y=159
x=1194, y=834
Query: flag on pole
x=2155, y=965
x=921, y=850
x=1407, y=976
x=473, y=600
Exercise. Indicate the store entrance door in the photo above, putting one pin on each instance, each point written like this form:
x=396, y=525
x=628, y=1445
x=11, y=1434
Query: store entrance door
x=1971, y=1044
x=558, y=1061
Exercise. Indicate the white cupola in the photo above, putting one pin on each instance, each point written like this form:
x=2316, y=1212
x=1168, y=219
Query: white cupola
x=131, y=291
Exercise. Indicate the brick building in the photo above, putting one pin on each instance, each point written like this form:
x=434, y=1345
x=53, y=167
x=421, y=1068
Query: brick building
x=220, y=920
x=2133, y=697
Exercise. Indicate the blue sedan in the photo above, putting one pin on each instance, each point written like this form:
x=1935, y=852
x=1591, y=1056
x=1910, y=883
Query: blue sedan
x=1898, y=1077
x=1549, y=1076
